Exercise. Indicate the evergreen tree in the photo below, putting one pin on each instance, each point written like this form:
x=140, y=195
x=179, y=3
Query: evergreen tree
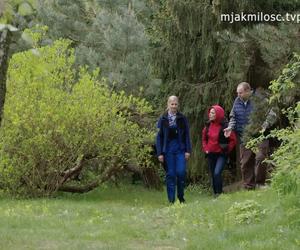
x=202, y=60
x=105, y=34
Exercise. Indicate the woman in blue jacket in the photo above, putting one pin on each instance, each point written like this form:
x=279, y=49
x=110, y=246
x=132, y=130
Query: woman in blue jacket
x=173, y=148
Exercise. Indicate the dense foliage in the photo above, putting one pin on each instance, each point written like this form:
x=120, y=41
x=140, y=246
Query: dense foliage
x=284, y=98
x=56, y=129
x=157, y=48
x=202, y=59
x=286, y=178
x=105, y=34
x=286, y=94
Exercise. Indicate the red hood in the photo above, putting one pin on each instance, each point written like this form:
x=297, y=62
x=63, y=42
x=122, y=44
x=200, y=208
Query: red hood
x=219, y=113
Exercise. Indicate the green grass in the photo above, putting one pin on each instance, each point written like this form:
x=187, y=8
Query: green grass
x=131, y=217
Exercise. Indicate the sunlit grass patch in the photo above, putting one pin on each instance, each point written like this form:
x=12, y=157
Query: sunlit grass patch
x=132, y=217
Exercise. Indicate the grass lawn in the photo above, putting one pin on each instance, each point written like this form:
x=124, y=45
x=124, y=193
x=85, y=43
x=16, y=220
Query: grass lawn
x=131, y=217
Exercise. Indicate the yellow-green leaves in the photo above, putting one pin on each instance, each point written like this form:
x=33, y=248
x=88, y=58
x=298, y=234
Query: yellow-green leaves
x=51, y=118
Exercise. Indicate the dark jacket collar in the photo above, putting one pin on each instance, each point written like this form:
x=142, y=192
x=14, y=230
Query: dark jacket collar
x=178, y=115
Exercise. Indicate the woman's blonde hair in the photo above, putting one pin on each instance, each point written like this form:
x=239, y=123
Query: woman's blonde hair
x=170, y=99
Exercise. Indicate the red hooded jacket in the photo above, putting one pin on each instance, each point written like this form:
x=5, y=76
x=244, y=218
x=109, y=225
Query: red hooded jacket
x=211, y=144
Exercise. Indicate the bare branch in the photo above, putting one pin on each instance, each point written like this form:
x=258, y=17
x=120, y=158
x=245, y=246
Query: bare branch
x=90, y=186
x=70, y=172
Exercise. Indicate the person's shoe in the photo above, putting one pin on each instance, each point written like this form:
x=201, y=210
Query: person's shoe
x=171, y=202
x=249, y=187
x=217, y=195
x=261, y=186
x=182, y=200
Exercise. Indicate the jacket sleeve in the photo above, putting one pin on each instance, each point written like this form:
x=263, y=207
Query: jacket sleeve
x=232, y=141
x=188, y=143
x=204, y=139
x=159, y=138
x=271, y=118
x=232, y=119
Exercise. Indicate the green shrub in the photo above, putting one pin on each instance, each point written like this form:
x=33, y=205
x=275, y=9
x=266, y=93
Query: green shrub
x=57, y=128
x=245, y=212
x=284, y=97
x=286, y=93
x=286, y=178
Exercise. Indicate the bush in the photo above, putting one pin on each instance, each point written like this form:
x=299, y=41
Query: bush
x=285, y=93
x=56, y=128
x=245, y=212
x=286, y=178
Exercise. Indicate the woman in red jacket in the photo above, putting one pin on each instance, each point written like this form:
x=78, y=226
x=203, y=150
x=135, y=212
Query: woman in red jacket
x=216, y=146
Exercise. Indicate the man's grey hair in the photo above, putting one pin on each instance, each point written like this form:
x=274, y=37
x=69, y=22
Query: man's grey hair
x=246, y=86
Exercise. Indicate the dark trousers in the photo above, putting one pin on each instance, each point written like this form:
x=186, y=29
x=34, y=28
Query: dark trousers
x=260, y=166
x=216, y=163
x=176, y=171
x=247, y=158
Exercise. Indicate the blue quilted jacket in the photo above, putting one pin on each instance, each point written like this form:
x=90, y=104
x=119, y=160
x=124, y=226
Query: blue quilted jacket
x=239, y=115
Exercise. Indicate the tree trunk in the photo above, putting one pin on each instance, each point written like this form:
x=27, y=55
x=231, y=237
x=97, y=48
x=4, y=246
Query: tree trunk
x=5, y=38
x=2, y=4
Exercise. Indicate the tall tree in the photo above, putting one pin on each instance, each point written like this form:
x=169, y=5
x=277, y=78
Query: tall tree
x=14, y=17
x=5, y=37
x=202, y=59
x=105, y=34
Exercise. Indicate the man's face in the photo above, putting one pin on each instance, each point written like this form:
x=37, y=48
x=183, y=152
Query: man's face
x=242, y=93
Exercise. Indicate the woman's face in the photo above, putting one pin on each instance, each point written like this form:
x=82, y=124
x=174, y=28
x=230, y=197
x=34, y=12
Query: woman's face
x=212, y=114
x=173, y=106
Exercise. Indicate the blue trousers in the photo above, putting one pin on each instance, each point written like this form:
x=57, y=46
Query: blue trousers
x=176, y=171
x=216, y=163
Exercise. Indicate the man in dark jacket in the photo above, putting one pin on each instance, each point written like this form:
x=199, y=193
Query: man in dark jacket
x=239, y=118
x=262, y=120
